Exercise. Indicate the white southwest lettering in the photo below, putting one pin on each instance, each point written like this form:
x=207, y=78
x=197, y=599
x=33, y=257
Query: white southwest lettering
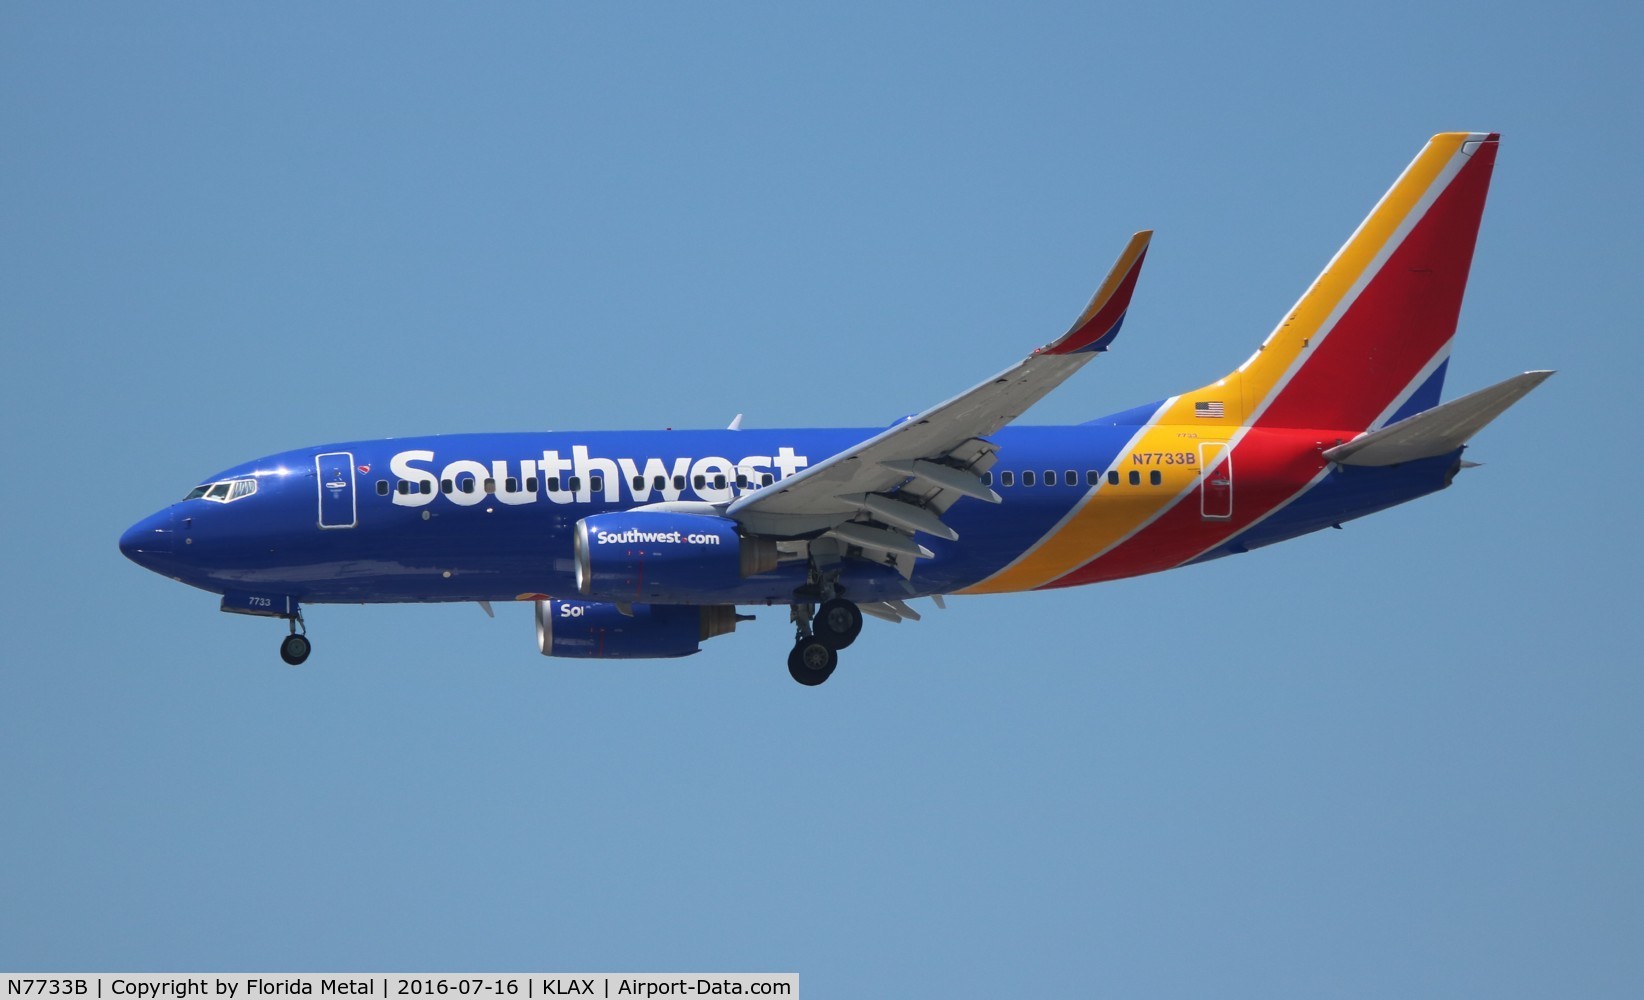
x=647, y=477
x=527, y=470
x=711, y=469
x=585, y=468
x=401, y=466
x=633, y=535
x=456, y=472
x=555, y=475
x=555, y=470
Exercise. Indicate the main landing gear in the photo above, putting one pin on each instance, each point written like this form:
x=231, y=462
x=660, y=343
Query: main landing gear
x=837, y=623
x=811, y=662
x=296, y=647
x=819, y=638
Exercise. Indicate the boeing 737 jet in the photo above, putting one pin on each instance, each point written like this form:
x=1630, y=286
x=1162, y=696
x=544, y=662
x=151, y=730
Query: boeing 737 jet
x=645, y=544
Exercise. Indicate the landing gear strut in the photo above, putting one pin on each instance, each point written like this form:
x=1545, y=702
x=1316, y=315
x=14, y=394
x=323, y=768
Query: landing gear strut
x=296, y=647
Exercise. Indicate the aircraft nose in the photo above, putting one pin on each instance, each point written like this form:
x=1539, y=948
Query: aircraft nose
x=153, y=536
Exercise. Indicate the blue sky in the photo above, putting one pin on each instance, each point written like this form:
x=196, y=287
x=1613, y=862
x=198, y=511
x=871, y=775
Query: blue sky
x=1400, y=759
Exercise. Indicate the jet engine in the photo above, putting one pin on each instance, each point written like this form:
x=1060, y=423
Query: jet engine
x=665, y=556
x=592, y=630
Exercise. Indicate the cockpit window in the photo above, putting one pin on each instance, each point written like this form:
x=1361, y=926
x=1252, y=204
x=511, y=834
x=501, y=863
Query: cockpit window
x=223, y=492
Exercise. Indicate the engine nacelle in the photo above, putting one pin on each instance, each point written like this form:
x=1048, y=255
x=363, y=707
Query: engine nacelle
x=593, y=630
x=667, y=556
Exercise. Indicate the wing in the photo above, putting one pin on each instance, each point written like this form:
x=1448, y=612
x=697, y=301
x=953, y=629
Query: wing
x=876, y=495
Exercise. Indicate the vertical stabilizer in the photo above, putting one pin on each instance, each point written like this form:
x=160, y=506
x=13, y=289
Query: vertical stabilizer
x=1369, y=339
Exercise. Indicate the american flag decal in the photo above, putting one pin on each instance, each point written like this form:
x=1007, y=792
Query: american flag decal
x=1212, y=409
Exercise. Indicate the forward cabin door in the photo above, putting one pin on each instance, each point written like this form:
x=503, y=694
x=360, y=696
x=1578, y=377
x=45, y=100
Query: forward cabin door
x=338, y=508
x=1215, y=481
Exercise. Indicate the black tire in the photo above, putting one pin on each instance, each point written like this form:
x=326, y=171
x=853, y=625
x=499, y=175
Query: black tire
x=295, y=649
x=837, y=623
x=811, y=662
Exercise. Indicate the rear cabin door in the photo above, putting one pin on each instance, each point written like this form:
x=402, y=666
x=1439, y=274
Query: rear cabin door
x=1215, y=481
x=338, y=508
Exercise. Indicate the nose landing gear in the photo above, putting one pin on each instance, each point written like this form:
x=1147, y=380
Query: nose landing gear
x=296, y=647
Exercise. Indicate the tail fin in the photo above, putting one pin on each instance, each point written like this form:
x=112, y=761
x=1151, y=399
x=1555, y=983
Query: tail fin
x=1368, y=341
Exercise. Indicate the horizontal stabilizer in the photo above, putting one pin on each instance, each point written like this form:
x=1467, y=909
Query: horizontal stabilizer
x=1442, y=429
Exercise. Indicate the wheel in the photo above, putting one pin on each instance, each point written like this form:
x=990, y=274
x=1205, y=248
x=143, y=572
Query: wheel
x=837, y=624
x=295, y=649
x=811, y=662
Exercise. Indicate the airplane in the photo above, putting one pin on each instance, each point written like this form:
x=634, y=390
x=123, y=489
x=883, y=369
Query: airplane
x=645, y=544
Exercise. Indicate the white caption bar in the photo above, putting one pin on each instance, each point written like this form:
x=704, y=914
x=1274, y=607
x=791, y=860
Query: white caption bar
x=397, y=985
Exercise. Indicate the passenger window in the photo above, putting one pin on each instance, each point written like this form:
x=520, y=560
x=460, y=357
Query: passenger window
x=679, y=482
x=553, y=484
x=699, y=482
x=596, y=484
x=382, y=487
x=767, y=479
x=1113, y=477
x=741, y=480
x=1155, y=477
x=404, y=487
x=466, y=484
x=445, y=485
x=1027, y=477
x=659, y=483
x=511, y=484
x=530, y=484
x=1050, y=477
x=575, y=485
x=1007, y=478
x=1135, y=478
x=987, y=479
x=1070, y=477
x=427, y=486
x=639, y=483
x=719, y=481
x=1092, y=477
x=490, y=485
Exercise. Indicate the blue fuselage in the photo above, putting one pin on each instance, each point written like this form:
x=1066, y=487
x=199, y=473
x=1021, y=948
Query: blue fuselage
x=490, y=517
